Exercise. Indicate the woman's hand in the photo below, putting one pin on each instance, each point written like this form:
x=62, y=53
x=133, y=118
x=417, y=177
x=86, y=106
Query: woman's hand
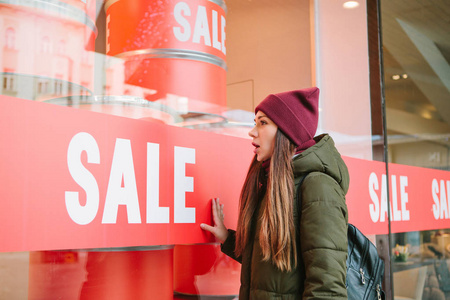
x=219, y=230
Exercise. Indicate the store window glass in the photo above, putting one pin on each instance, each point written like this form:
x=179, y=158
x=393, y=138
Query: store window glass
x=10, y=38
x=46, y=45
x=61, y=50
x=417, y=91
x=118, y=111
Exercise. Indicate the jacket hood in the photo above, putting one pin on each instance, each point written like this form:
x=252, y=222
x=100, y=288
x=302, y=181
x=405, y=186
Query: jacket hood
x=323, y=157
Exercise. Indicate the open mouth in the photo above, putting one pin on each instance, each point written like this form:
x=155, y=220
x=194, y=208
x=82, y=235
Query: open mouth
x=256, y=147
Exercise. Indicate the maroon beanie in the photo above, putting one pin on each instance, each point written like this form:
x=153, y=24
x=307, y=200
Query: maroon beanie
x=296, y=113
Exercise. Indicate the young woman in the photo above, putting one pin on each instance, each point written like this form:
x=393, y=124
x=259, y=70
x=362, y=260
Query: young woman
x=284, y=256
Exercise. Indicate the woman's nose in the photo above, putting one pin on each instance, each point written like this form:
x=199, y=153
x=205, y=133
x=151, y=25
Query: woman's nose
x=252, y=133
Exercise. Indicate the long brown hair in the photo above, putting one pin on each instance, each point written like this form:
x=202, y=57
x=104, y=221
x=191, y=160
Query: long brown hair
x=277, y=234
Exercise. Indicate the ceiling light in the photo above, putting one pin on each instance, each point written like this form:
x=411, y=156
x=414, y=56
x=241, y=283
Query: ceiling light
x=351, y=4
x=404, y=76
x=395, y=77
x=426, y=114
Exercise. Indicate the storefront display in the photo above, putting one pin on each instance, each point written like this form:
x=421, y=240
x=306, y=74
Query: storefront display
x=121, y=120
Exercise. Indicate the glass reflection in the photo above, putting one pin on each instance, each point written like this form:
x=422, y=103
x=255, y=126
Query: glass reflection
x=417, y=89
x=117, y=273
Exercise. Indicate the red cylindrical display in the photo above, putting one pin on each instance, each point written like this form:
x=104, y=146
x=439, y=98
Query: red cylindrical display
x=171, y=47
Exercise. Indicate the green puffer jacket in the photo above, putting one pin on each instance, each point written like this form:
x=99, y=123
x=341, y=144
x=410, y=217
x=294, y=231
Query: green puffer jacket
x=321, y=273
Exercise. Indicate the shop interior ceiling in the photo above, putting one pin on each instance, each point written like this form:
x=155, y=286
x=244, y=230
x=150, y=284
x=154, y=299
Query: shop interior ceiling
x=416, y=50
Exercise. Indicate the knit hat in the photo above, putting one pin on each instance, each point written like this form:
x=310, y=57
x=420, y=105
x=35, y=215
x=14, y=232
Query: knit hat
x=296, y=113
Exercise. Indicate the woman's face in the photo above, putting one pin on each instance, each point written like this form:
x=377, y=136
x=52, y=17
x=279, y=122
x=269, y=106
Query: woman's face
x=263, y=135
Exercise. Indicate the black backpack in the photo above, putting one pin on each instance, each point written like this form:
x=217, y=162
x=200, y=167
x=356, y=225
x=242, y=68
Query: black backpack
x=365, y=269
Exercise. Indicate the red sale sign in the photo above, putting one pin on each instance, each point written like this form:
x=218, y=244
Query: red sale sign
x=170, y=46
x=78, y=179
x=196, y=25
x=419, y=198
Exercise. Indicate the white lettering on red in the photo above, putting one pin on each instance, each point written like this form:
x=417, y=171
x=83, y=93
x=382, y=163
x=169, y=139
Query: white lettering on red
x=441, y=198
x=183, y=184
x=82, y=214
x=182, y=33
x=122, y=186
x=378, y=208
x=202, y=33
x=122, y=171
x=155, y=213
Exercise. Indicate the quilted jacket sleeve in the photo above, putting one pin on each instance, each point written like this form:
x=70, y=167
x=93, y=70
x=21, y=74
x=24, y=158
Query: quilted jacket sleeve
x=228, y=246
x=324, y=238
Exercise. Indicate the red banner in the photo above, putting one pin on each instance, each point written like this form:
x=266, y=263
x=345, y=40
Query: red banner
x=419, y=197
x=79, y=179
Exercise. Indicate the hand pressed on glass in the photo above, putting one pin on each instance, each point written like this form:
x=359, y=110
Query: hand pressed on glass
x=218, y=230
